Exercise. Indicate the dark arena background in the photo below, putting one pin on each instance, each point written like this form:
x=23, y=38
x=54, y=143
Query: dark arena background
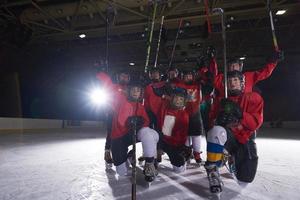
x=52, y=138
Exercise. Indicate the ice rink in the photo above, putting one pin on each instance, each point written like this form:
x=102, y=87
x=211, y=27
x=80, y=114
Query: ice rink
x=69, y=165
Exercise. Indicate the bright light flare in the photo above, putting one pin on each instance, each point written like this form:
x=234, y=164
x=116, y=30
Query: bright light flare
x=82, y=35
x=99, y=96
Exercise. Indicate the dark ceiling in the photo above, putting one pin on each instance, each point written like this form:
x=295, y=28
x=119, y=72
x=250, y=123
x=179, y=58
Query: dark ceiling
x=40, y=41
x=57, y=24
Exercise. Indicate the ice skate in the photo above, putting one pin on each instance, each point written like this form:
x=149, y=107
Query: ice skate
x=187, y=154
x=198, y=159
x=150, y=172
x=108, y=159
x=215, y=183
x=159, y=155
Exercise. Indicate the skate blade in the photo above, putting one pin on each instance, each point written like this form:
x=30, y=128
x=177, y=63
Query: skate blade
x=202, y=163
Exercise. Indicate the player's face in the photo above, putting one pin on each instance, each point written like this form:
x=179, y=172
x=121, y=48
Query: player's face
x=124, y=78
x=178, y=101
x=234, y=66
x=234, y=83
x=188, y=78
x=172, y=74
x=155, y=76
x=135, y=93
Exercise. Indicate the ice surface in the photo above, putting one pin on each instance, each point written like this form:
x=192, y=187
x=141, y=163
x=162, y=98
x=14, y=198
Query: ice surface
x=69, y=164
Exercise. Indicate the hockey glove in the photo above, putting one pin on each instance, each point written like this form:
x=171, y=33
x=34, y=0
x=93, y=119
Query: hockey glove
x=135, y=122
x=211, y=52
x=185, y=152
x=226, y=119
x=231, y=108
x=277, y=56
x=159, y=91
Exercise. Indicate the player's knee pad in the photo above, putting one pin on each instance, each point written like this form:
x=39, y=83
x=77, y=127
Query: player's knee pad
x=217, y=135
x=196, y=143
x=149, y=139
x=147, y=134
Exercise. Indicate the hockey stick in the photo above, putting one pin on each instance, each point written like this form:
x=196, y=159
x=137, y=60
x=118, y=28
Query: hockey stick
x=207, y=25
x=107, y=42
x=174, y=45
x=150, y=38
x=159, y=37
x=110, y=15
x=221, y=12
x=133, y=187
x=272, y=26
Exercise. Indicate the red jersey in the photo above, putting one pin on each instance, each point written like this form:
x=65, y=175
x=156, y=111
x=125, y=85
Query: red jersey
x=174, y=124
x=251, y=78
x=152, y=100
x=251, y=104
x=122, y=108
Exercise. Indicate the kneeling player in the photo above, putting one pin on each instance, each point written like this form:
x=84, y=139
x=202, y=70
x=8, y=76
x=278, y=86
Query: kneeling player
x=173, y=122
x=237, y=119
x=129, y=113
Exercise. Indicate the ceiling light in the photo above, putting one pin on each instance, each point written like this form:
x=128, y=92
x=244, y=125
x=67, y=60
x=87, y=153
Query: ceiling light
x=242, y=58
x=280, y=12
x=187, y=23
x=59, y=11
x=82, y=36
x=131, y=63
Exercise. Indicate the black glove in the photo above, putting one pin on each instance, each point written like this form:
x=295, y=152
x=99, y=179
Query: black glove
x=135, y=122
x=202, y=61
x=277, y=56
x=224, y=119
x=100, y=66
x=207, y=89
x=168, y=89
x=159, y=91
x=185, y=152
x=211, y=52
x=230, y=107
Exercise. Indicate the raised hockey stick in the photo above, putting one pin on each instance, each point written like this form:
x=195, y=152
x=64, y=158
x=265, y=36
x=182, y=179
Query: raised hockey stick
x=150, y=38
x=110, y=15
x=221, y=12
x=175, y=42
x=272, y=26
x=159, y=37
x=207, y=25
